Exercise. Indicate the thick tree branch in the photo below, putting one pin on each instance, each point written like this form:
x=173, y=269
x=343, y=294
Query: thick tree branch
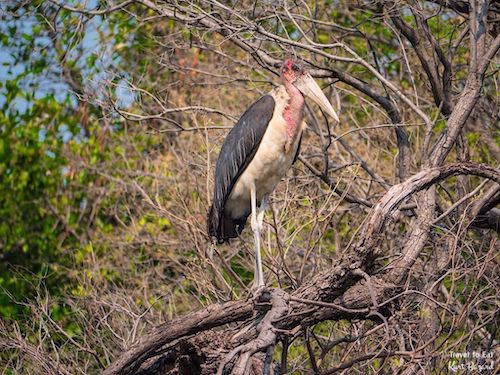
x=339, y=284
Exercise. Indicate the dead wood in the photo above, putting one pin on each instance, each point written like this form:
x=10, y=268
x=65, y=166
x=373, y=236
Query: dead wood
x=337, y=293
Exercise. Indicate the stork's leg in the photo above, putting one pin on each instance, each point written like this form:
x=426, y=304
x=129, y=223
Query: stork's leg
x=256, y=227
x=262, y=210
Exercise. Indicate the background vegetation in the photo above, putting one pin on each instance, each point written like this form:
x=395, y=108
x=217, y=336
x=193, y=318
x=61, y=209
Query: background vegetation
x=112, y=116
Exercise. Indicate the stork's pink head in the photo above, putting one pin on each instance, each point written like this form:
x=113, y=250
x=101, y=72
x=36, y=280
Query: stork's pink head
x=291, y=70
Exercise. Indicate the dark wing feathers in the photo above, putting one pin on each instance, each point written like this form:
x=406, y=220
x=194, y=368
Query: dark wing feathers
x=237, y=151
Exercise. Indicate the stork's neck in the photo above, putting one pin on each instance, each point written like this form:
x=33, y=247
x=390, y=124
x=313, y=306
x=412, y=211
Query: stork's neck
x=293, y=113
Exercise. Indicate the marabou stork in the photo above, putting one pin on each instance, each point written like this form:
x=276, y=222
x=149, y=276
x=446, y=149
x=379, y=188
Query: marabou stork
x=256, y=154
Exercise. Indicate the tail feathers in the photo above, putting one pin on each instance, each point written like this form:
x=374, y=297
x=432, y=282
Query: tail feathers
x=223, y=227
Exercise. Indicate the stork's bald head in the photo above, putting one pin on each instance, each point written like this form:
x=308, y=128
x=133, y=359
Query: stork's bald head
x=291, y=70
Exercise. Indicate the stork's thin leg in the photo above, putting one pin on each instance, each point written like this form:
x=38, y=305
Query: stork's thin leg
x=262, y=211
x=256, y=226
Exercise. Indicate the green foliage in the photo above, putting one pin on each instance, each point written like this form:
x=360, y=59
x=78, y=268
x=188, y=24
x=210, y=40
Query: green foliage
x=32, y=188
x=40, y=205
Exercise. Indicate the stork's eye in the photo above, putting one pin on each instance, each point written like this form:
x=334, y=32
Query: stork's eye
x=295, y=68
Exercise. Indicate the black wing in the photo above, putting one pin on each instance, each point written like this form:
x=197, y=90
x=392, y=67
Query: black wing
x=237, y=151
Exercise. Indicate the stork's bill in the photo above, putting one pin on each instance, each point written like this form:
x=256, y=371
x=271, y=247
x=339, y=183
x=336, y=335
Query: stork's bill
x=308, y=86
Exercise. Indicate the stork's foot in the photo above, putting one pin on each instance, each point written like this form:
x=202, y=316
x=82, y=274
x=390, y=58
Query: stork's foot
x=258, y=289
x=258, y=281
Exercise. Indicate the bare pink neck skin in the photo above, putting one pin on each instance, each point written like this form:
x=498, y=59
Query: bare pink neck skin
x=293, y=113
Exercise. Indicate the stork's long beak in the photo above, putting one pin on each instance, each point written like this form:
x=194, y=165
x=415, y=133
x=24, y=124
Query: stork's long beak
x=308, y=86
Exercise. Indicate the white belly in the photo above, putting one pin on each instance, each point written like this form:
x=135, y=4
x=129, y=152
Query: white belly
x=266, y=169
